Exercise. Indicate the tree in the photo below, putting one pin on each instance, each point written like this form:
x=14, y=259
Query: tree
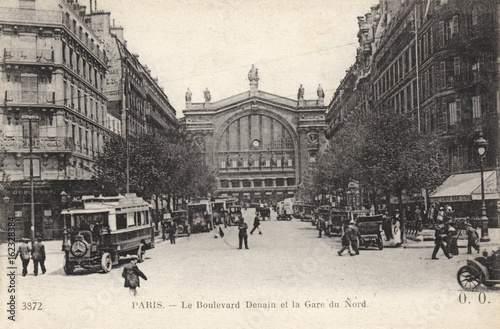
x=397, y=157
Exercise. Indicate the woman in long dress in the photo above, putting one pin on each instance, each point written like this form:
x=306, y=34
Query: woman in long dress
x=397, y=232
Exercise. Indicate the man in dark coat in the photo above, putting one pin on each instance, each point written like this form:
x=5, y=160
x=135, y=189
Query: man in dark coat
x=321, y=225
x=472, y=239
x=256, y=225
x=387, y=226
x=172, y=231
x=242, y=234
x=25, y=251
x=439, y=238
x=131, y=274
x=38, y=256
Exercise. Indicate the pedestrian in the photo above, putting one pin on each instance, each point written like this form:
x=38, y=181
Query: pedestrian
x=164, y=229
x=396, y=224
x=242, y=234
x=172, y=231
x=418, y=219
x=131, y=274
x=346, y=241
x=472, y=239
x=440, y=215
x=256, y=225
x=452, y=238
x=439, y=238
x=38, y=256
x=321, y=225
x=354, y=237
x=387, y=225
x=25, y=251
x=217, y=228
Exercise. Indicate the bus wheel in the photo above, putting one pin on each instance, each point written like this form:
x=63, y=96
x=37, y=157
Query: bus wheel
x=106, y=262
x=140, y=253
x=68, y=267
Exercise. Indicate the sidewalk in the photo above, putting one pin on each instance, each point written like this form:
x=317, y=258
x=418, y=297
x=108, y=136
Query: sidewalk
x=494, y=234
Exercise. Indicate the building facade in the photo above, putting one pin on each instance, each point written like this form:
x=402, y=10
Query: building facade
x=260, y=144
x=53, y=69
x=437, y=61
x=137, y=104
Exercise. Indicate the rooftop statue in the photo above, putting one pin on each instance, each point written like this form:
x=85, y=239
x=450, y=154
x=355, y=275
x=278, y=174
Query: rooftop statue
x=321, y=93
x=188, y=96
x=300, y=93
x=207, y=95
x=253, y=75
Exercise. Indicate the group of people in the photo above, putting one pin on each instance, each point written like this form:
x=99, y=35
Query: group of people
x=168, y=227
x=392, y=227
x=37, y=253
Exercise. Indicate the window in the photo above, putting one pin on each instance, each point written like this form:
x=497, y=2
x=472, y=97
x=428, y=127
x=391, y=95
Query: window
x=224, y=184
x=36, y=167
x=121, y=221
x=72, y=97
x=456, y=66
x=454, y=112
x=454, y=25
x=442, y=68
x=476, y=107
x=78, y=102
x=475, y=16
x=65, y=91
x=475, y=71
x=64, y=52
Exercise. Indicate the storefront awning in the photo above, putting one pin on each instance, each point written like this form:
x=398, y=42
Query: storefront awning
x=466, y=187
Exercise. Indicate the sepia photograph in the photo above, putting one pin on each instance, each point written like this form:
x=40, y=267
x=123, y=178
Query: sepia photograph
x=250, y=164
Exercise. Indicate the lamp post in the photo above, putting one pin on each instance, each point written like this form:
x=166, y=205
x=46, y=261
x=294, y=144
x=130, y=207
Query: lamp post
x=64, y=200
x=481, y=145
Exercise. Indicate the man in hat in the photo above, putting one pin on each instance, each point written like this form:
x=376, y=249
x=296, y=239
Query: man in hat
x=242, y=234
x=25, y=251
x=354, y=237
x=387, y=225
x=439, y=237
x=38, y=256
x=472, y=238
x=131, y=274
x=441, y=214
x=346, y=241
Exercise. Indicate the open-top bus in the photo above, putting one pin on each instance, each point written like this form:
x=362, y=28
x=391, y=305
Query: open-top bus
x=106, y=228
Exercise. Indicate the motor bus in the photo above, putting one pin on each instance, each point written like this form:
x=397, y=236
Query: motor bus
x=104, y=229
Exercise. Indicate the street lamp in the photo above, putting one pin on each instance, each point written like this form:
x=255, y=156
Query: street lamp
x=481, y=145
x=64, y=200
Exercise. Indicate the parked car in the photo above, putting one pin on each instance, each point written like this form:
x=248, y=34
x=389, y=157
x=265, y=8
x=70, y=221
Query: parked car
x=180, y=218
x=200, y=217
x=234, y=214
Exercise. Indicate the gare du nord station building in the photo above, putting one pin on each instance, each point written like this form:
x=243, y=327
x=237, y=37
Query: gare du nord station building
x=260, y=144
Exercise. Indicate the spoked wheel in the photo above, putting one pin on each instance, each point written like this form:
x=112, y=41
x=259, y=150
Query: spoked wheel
x=468, y=278
x=106, y=262
x=140, y=253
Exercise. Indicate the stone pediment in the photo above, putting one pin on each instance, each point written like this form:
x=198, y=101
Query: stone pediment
x=251, y=97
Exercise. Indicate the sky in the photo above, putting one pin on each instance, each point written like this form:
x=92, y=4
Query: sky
x=213, y=43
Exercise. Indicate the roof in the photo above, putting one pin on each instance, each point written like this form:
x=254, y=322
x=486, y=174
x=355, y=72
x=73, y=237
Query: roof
x=466, y=187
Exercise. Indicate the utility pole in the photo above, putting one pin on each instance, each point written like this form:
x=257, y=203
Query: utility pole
x=30, y=118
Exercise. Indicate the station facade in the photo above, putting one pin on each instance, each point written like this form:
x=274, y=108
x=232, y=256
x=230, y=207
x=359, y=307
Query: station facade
x=260, y=144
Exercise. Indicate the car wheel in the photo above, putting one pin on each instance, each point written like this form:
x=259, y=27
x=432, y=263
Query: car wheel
x=468, y=278
x=106, y=262
x=141, y=251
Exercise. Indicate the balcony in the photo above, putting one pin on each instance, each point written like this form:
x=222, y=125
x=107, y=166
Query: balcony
x=26, y=97
x=18, y=143
x=29, y=56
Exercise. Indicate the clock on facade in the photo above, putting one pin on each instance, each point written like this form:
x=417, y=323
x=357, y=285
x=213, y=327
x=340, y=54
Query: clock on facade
x=256, y=143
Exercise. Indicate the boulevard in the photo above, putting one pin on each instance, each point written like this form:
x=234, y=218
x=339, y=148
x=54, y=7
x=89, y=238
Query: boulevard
x=288, y=273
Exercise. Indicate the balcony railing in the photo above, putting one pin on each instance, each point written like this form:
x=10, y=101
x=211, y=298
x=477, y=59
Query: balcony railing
x=29, y=97
x=17, y=55
x=40, y=17
x=40, y=144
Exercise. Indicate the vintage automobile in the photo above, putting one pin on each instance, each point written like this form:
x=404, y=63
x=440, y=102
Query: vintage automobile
x=482, y=270
x=219, y=209
x=180, y=219
x=264, y=212
x=308, y=214
x=323, y=212
x=298, y=209
x=338, y=218
x=200, y=217
x=234, y=214
x=105, y=229
x=370, y=229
